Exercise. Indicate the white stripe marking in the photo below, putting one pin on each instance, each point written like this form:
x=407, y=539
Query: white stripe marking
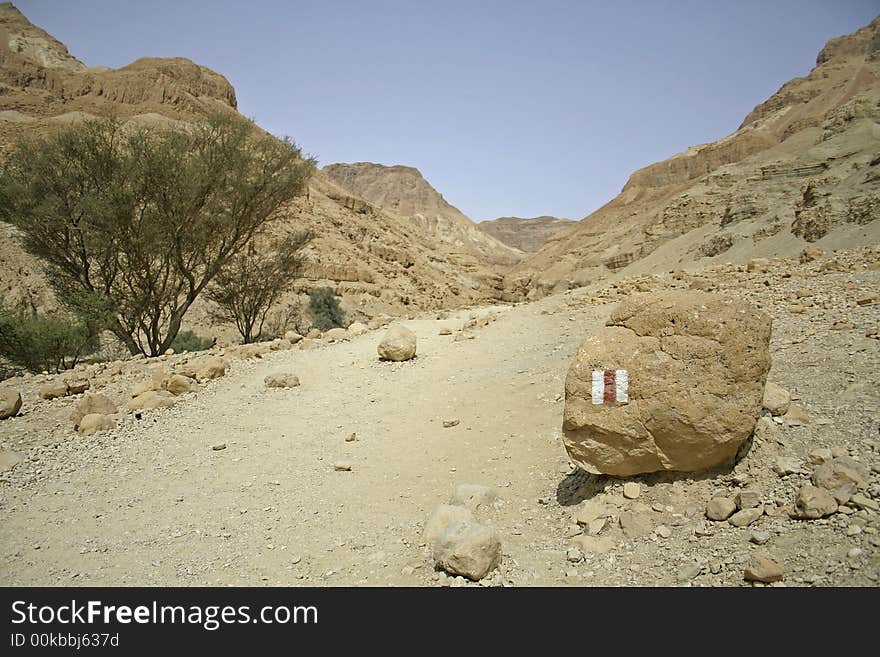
x=598, y=386
x=621, y=378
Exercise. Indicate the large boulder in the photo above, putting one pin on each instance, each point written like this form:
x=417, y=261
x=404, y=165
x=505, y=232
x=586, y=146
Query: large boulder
x=90, y=404
x=336, y=335
x=442, y=518
x=468, y=549
x=10, y=403
x=357, y=328
x=675, y=381
x=204, y=369
x=399, y=344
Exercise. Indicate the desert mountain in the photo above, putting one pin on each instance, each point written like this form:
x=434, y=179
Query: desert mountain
x=804, y=167
x=404, y=192
x=526, y=234
x=372, y=258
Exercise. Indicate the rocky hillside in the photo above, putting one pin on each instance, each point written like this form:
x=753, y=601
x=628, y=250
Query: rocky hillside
x=372, y=258
x=526, y=234
x=804, y=167
x=403, y=191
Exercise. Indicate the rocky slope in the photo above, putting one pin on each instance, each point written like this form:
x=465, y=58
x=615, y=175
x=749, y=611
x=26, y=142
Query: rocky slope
x=803, y=167
x=372, y=258
x=526, y=234
x=403, y=191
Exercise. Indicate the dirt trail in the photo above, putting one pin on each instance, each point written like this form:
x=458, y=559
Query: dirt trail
x=154, y=504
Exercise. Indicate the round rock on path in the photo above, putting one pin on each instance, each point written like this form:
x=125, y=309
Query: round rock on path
x=399, y=344
x=673, y=382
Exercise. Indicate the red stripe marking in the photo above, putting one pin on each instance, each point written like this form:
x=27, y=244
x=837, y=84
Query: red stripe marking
x=610, y=387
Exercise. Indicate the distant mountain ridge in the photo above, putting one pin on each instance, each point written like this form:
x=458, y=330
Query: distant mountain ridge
x=526, y=233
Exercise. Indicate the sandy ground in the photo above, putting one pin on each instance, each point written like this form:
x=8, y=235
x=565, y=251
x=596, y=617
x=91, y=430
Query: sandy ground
x=153, y=504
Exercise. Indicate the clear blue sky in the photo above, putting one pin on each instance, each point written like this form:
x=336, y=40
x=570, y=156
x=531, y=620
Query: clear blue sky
x=507, y=108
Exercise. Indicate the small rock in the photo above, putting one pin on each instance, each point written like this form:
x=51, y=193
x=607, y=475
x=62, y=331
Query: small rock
x=820, y=455
x=10, y=403
x=574, y=555
x=855, y=553
x=468, y=549
x=177, y=384
x=688, y=572
x=634, y=524
x=840, y=471
x=53, y=390
x=95, y=422
x=787, y=465
x=813, y=502
x=864, y=502
x=450, y=423
x=763, y=569
x=77, y=386
x=593, y=544
x=796, y=416
x=759, y=537
x=748, y=499
x=720, y=508
x=631, y=490
x=776, y=399
x=218, y=447
x=399, y=344
x=442, y=518
x=281, y=380
x=590, y=510
x=352, y=437
x=342, y=466
x=746, y=517
x=663, y=531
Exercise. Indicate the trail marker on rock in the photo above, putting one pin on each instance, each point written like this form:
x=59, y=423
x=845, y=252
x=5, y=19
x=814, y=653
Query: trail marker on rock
x=610, y=386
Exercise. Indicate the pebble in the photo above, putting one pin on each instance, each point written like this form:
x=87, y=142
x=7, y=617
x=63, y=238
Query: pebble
x=688, y=572
x=663, y=531
x=342, y=466
x=218, y=447
x=759, y=537
x=631, y=490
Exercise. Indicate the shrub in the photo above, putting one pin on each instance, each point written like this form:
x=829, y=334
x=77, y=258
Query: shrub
x=44, y=342
x=324, y=308
x=189, y=341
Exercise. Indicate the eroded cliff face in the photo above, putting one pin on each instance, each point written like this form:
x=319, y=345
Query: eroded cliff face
x=372, y=258
x=528, y=234
x=404, y=192
x=802, y=168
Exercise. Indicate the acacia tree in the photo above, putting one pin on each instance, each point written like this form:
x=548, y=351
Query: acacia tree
x=251, y=283
x=133, y=223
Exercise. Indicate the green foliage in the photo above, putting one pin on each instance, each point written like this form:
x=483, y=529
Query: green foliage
x=251, y=283
x=189, y=341
x=44, y=342
x=325, y=310
x=133, y=223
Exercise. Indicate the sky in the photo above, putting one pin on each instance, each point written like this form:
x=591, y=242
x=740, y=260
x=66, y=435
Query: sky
x=508, y=108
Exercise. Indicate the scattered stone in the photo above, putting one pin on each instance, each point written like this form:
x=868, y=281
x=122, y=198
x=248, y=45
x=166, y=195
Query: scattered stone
x=150, y=400
x=758, y=265
x=688, y=572
x=702, y=390
x=177, y=384
x=813, y=502
x=450, y=423
x=357, y=328
x=796, y=416
x=281, y=380
x=843, y=494
x=95, y=422
x=590, y=510
x=663, y=531
x=10, y=403
x=863, y=502
x=574, y=555
x=776, y=399
x=441, y=519
x=342, y=466
x=759, y=536
x=593, y=544
x=746, y=517
x=468, y=549
x=77, y=386
x=336, y=335
x=292, y=337
x=720, y=508
x=445, y=331
x=314, y=334
x=92, y=403
x=631, y=490
x=840, y=471
x=218, y=447
x=855, y=553
x=748, y=499
x=352, y=437
x=204, y=369
x=594, y=527
x=763, y=569
x=820, y=455
x=53, y=390
x=787, y=465
x=399, y=344
x=309, y=343
x=473, y=496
